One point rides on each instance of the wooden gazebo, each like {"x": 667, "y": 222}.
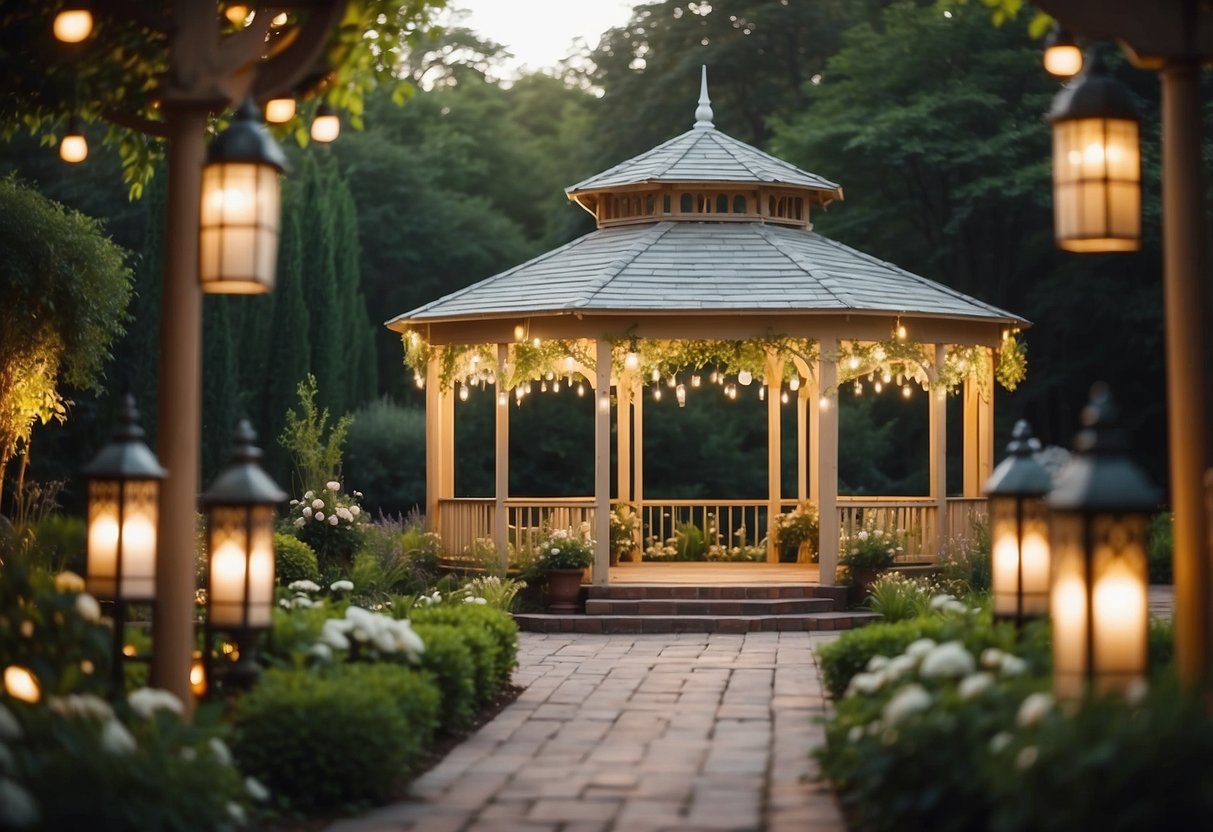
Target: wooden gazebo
{"x": 704, "y": 263}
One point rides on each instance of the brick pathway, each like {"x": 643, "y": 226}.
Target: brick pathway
{"x": 638, "y": 732}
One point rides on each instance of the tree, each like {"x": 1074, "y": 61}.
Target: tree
{"x": 66, "y": 290}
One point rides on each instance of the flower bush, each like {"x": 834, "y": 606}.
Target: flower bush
{"x": 871, "y": 548}
{"x": 561, "y": 549}
{"x": 329, "y": 521}
{"x": 625, "y": 523}
{"x": 898, "y": 597}
{"x": 796, "y": 527}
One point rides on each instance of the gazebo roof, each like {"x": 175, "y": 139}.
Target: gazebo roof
{"x": 704, "y": 267}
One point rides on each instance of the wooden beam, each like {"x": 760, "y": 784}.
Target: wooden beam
{"x": 802, "y": 430}
{"x": 501, "y": 491}
{"x": 638, "y": 457}
{"x": 433, "y": 441}
{"x": 774, "y": 378}
{"x": 939, "y": 450}
{"x": 623, "y": 432}
{"x": 971, "y": 464}
{"x": 602, "y": 463}
{"x": 825, "y": 420}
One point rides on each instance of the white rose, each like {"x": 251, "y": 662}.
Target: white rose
{"x": 319, "y": 517}
{"x": 116, "y": 739}
{"x": 920, "y": 648}
{"x": 354, "y": 510}
{"x": 146, "y": 701}
{"x": 307, "y": 511}
{"x": 974, "y": 685}
{"x": 908, "y": 701}
{"x": 947, "y": 661}
{"x": 1013, "y": 666}
{"x": 332, "y": 519}
{"x": 1033, "y": 709}
{"x": 87, "y": 607}
{"x": 69, "y": 582}
{"x": 317, "y": 503}
{"x": 333, "y": 486}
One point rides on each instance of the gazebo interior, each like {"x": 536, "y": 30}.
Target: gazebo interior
{"x": 704, "y": 271}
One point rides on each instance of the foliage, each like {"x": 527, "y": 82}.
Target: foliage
{"x": 134, "y": 765}
{"x": 55, "y": 541}
{"x": 385, "y": 454}
{"x": 296, "y": 561}
{"x": 496, "y": 658}
{"x": 967, "y": 565}
{"x": 329, "y": 521}
{"x": 797, "y": 526}
{"x": 561, "y": 549}
{"x": 1160, "y": 548}
{"x": 335, "y": 738}
{"x": 870, "y": 548}
{"x": 66, "y": 288}
{"x": 315, "y": 448}
{"x": 897, "y": 597}
{"x": 449, "y": 659}
{"x": 625, "y": 523}
{"x": 495, "y": 591}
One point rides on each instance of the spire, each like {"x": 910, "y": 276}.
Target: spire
{"x": 703, "y": 113}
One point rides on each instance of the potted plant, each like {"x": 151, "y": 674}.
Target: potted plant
{"x": 624, "y": 523}
{"x": 867, "y": 553}
{"x": 563, "y": 559}
{"x": 797, "y": 534}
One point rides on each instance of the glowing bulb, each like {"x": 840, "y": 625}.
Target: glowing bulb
{"x": 419, "y": 381}
{"x": 631, "y": 361}
{"x": 326, "y": 126}
{"x": 695, "y": 381}
{"x": 491, "y": 378}
{"x": 198, "y": 676}
{"x": 519, "y": 332}
{"x": 854, "y": 362}
{"x": 858, "y": 389}
{"x": 905, "y": 392}
{"x": 745, "y": 377}
{"x": 656, "y": 394}
{"x": 762, "y": 393}
{"x": 463, "y": 392}
{"x": 528, "y": 388}
{"x": 556, "y": 386}
{"x": 656, "y": 374}
{"x": 535, "y": 342}
{"x": 236, "y": 13}
{"x": 901, "y": 332}
{"x": 280, "y": 110}
{"x": 794, "y": 383}
{"x": 680, "y": 392}
{"x": 878, "y": 387}
{"x": 518, "y": 394}
{"x": 712, "y": 377}
{"x": 886, "y": 376}
{"x": 21, "y": 683}
{"x": 543, "y": 387}
{"x": 569, "y": 363}
{"x": 783, "y": 397}
{"x": 74, "y": 147}
{"x": 73, "y": 25}
{"x": 878, "y": 353}
{"x": 580, "y": 389}
{"x": 823, "y": 403}
{"x": 671, "y": 382}
{"x": 279, "y": 20}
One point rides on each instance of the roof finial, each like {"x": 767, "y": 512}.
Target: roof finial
{"x": 703, "y": 113}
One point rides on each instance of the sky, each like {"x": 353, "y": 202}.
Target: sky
{"x": 541, "y": 32}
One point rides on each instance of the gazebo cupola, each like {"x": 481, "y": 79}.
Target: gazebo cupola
{"x": 704, "y": 175}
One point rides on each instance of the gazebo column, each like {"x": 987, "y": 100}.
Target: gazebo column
{"x": 623, "y": 432}
{"x": 978, "y": 432}
{"x": 602, "y": 462}
{"x": 638, "y": 458}
{"x": 501, "y": 491}
{"x": 823, "y": 487}
{"x": 938, "y": 429}
{"x": 774, "y": 378}
{"x": 439, "y": 443}
{"x": 802, "y": 429}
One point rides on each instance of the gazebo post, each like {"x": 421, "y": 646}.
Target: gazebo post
{"x": 823, "y": 427}
{"x": 939, "y": 449}
{"x": 638, "y": 456}
{"x": 802, "y": 426}
{"x": 623, "y": 432}
{"x": 774, "y": 379}
{"x": 978, "y": 433}
{"x": 501, "y": 525}
{"x": 433, "y": 442}
{"x": 602, "y": 462}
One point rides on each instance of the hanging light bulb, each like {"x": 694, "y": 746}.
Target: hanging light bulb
{"x": 745, "y": 377}
{"x": 528, "y": 388}
{"x": 519, "y": 332}
{"x": 418, "y": 380}
{"x": 783, "y": 397}
{"x": 711, "y": 378}
{"x": 877, "y": 386}
{"x": 656, "y": 374}
{"x": 580, "y": 388}
{"x": 543, "y": 387}
{"x": 536, "y": 342}
{"x": 762, "y": 393}
{"x": 569, "y": 363}
{"x": 631, "y": 361}
{"x": 900, "y": 379}
{"x": 491, "y": 379}
{"x": 326, "y": 126}
{"x": 905, "y": 391}
{"x": 1062, "y": 58}
{"x": 794, "y": 383}
{"x": 672, "y": 381}
{"x": 280, "y": 109}
{"x": 858, "y": 388}
{"x": 823, "y": 402}
{"x": 854, "y": 362}
{"x": 886, "y": 376}
{"x": 556, "y": 386}
{"x": 463, "y": 392}
{"x": 73, "y": 147}
{"x": 518, "y": 394}
{"x": 656, "y": 394}
{"x": 878, "y": 353}
{"x": 73, "y": 23}
{"x": 901, "y": 331}
{"x": 695, "y": 381}
{"x": 680, "y": 393}
{"x": 872, "y": 376}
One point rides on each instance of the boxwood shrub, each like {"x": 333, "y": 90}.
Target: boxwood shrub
{"x": 450, "y": 661}
{"x": 336, "y": 738}
{"x": 296, "y": 561}
{"x": 497, "y": 624}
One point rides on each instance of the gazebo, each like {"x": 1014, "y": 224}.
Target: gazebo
{"x": 704, "y": 269}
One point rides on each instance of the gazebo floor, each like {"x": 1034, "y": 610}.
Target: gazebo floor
{"x": 715, "y": 574}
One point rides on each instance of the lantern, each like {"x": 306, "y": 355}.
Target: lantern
{"x": 240, "y": 514}
{"x": 326, "y": 126}
{"x": 280, "y": 109}
{"x": 73, "y": 147}
{"x": 1096, "y": 164}
{"x": 1062, "y": 57}
{"x": 1098, "y": 597}
{"x": 1019, "y": 531}
{"x": 241, "y": 207}
{"x": 123, "y": 498}
{"x": 73, "y": 23}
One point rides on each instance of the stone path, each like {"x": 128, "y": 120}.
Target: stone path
{"x": 638, "y": 732}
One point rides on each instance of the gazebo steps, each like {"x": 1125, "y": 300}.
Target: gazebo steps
{"x": 681, "y": 608}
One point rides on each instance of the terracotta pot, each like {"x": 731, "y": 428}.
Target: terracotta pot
{"x": 864, "y": 577}
{"x": 564, "y": 589}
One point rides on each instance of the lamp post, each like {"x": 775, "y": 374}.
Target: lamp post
{"x": 1174, "y": 38}
{"x": 1020, "y": 531}
{"x": 240, "y": 516}
{"x": 241, "y": 207}
{"x": 123, "y": 491}
{"x": 1099, "y": 603}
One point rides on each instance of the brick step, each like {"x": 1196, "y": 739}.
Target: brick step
{"x": 708, "y": 606}
{"x": 547, "y": 623}
{"x": 639, "y": 592}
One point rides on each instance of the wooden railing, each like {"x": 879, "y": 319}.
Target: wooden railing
{"x": 725, "y": 523}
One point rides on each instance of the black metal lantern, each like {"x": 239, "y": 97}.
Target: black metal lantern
{"x": 1098, "y": 597}
{"x": 1096, "y": 164}
{"x": 1019, "y": 531}
{"x": 241, "y": 207}
{"x": 240, "y": 513}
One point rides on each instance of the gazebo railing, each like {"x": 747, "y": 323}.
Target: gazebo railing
{"x": 726, "y": 523}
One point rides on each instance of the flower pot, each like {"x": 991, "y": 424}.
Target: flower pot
{"x": 564, "y": 589}
{"x": 863, "y": 578}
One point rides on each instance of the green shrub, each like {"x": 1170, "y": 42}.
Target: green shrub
{"x": 1159, "y": 548}
{"x": 968, "y": 566}
{"x": 450, "y": 661}
{"x": 897, "y": 597}
{"x": 398, "y": 557}
{"x": 385, "y": 453}
{"x": 338, "y": 738}
{"x": 499, "y": 625}
{"x": 58, "y": 542}
{"x": 691, "y": 545}
{"x": 296, "y": 561}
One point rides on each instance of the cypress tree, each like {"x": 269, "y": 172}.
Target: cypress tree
{"x": 355, "y": 324}
{"x": 320, "y": 286}
{"x": 220, "y": 382}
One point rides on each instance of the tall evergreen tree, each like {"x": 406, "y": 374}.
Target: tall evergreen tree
{"x": 354, "y": 324}
{"x": 220, "y": 382}
{"x": 320, "y": 284}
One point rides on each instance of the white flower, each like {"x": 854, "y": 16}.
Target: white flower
{"x": 357, "y": 493}
{"x": 878, "y": 534}
{"x": 344, "y": 514}
{"x": 321, "y": 651}
{"x": 341, "y": 586}
{"x": 220, "y": 750}
{"x": 474, "y": 600}
{"x": 555, "y": 551}
{"x": 116, "y": 739}
{"x": 256, "y": 790}
{"x": 354, "y": 510}
{"x": 1026, "y": 758}
{"x": 878, "y": 662}
{"x": 975, "y": 685}
{"x": 1033, "y": 709}
{"x": 898, "y": 666}
{"x": 908, "y": 701}
{"x": 236, "y": 812}
{"x": 999, "y": 741}
{"x": 333, "y": 486}
{"x": 866, "y": 683}
{"x": 855, "y": 734}
{"x": 308, "y": 495}
{"x": 294, "y": 502}
{"x": 1136, "y": 692}
{"x": 69, "y": 582}
{"x": 307, "y": 511}
{"x": 333, "y": 634}
{"x": 299, "y": 521}
{"x": 10, "y": 728}
{"x": 318, "y": 517}
{"x": 991, "y": 657}
{"x": 332, "y": 519}
{"x": 947, "y": 661}
{"x": 17, "y": 807}
{"x": 920, "y": 648}
{"x": 81, "y": 706}
{"x": 317, "y": 503}
{"x": 87, "y": 607}
{"x": 302, "y": 602}
{"x": 862, "y": 536}
{"x": 303, "y": 586}
{"x": 1013, "y": 665}
{"x": 146, "y": 701}
{"x": 941, "y": 600}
